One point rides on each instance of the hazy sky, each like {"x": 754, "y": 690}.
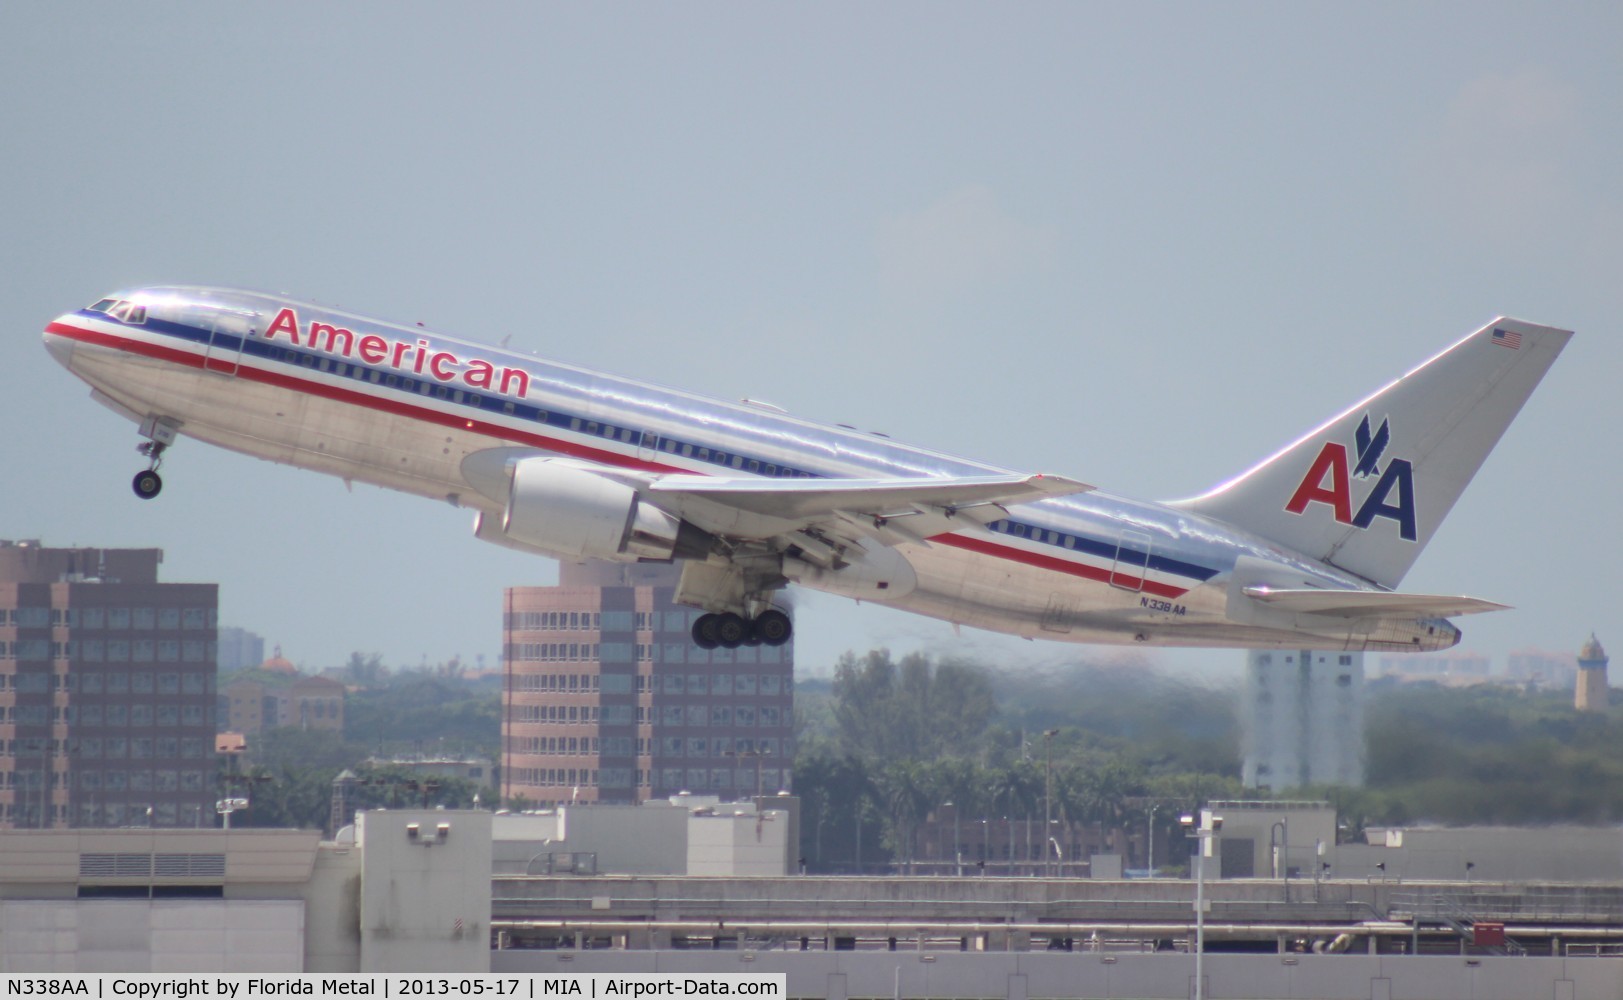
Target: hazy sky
{"x": 1140, "y": 245}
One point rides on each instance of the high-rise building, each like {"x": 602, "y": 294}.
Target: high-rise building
{"x": 107, "y": 688}
{"x": 607, "y": 699}
{"x": 1303, "y": 719}
{"x": 1592, "y": 695}
{"x": 239, "y": 648}
{"x": 1453, "y": 667}
{"x": 1550, "y": 670}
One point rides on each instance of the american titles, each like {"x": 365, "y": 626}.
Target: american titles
{"x": 419, "y": 358}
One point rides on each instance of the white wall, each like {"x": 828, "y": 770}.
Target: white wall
{"x": 738, "y": 843}
{"x": 140, "y": 935}
{"x": 425, "y": 903}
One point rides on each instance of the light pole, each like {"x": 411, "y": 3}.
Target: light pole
{"x": 1048, "y": 792}
{"x": 757, "y": 754}
{"x": 1149, "y": 840}
{"x": 1204, "y": 827}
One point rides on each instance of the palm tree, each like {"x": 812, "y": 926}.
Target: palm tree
{"x": 906, "y": 790}
{"x": 1015, "y": 787}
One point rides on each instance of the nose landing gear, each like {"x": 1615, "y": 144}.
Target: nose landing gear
{"x": 160, "y": 434}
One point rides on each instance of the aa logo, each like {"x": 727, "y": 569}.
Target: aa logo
{"x": 1329, "y": 481}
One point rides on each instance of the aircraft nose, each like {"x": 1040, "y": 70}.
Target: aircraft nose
{"x": 61, "y": 348}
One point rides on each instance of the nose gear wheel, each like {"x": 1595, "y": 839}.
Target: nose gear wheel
{"x": 147, "y": 483}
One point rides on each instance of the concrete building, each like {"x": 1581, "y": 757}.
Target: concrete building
{"x": 426, "y": 891}
{"x": 167, "y": 901}
{"x": 1274, "y": 839}
{"x": 607, "y": 699}
{"x": 480, "y": 772}
{"x": 276, "y": 695}
{"x": 107, "y": 690}
{"x": 1489, "y": 854}
{"x": 1593, "y": 694}
{"x": 1302, "y": 719}
{"x": 683, "y": 835}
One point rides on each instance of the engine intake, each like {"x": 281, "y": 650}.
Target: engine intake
{"x": 569, "y": 512}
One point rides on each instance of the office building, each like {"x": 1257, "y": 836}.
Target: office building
{"x": 107, "y": 690}
{"x": 1302, "y": 719}
{"x": 607, "y": 699}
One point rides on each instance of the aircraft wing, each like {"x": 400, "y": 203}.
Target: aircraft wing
{"x": 889, "y": 510}
{"x": 802, "y": 498}
{"x": 1370, "y": 603}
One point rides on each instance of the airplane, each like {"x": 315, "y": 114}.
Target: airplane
{"x": 1304, "y": 550}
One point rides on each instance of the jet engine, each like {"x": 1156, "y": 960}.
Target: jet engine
{"x": 568, "y": 512}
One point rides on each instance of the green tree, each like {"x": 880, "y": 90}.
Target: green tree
{"x": 912, "y": 710}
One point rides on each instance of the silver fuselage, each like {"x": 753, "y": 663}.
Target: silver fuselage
{"x": 400, "y": 407}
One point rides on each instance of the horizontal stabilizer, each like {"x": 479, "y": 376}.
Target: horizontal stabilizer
{"x": 1370, "y": 603}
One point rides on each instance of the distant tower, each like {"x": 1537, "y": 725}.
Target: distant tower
{"x": 1302, "y": 719}
{"x": 1592, "y": 692}
{"x": 340, "y": 815}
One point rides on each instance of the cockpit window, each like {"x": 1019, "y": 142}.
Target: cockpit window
{"x": 122, "y": 310}
{"x": 128, "y": 312}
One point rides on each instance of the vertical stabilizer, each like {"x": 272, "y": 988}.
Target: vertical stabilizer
{"x": 1366, "y": 490}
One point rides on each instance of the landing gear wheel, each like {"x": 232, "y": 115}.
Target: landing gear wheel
{"x": 147, "y": 484}
{"x": 731, "y": 630}
{"x": 704, "y": 632}
{"x": 772, "y": 627}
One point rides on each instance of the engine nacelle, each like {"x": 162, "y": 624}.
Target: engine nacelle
{"x": 573, "y": 513}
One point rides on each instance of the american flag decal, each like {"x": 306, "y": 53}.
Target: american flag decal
{"x": 1507, "y": 338}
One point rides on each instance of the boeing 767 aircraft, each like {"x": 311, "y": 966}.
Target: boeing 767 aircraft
{"x": 1303, "y": 550}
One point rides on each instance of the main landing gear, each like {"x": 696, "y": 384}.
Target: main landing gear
{"x": 729, "y": 631}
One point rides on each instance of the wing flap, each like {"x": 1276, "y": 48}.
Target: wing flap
{"x": 1370, "y": 603}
